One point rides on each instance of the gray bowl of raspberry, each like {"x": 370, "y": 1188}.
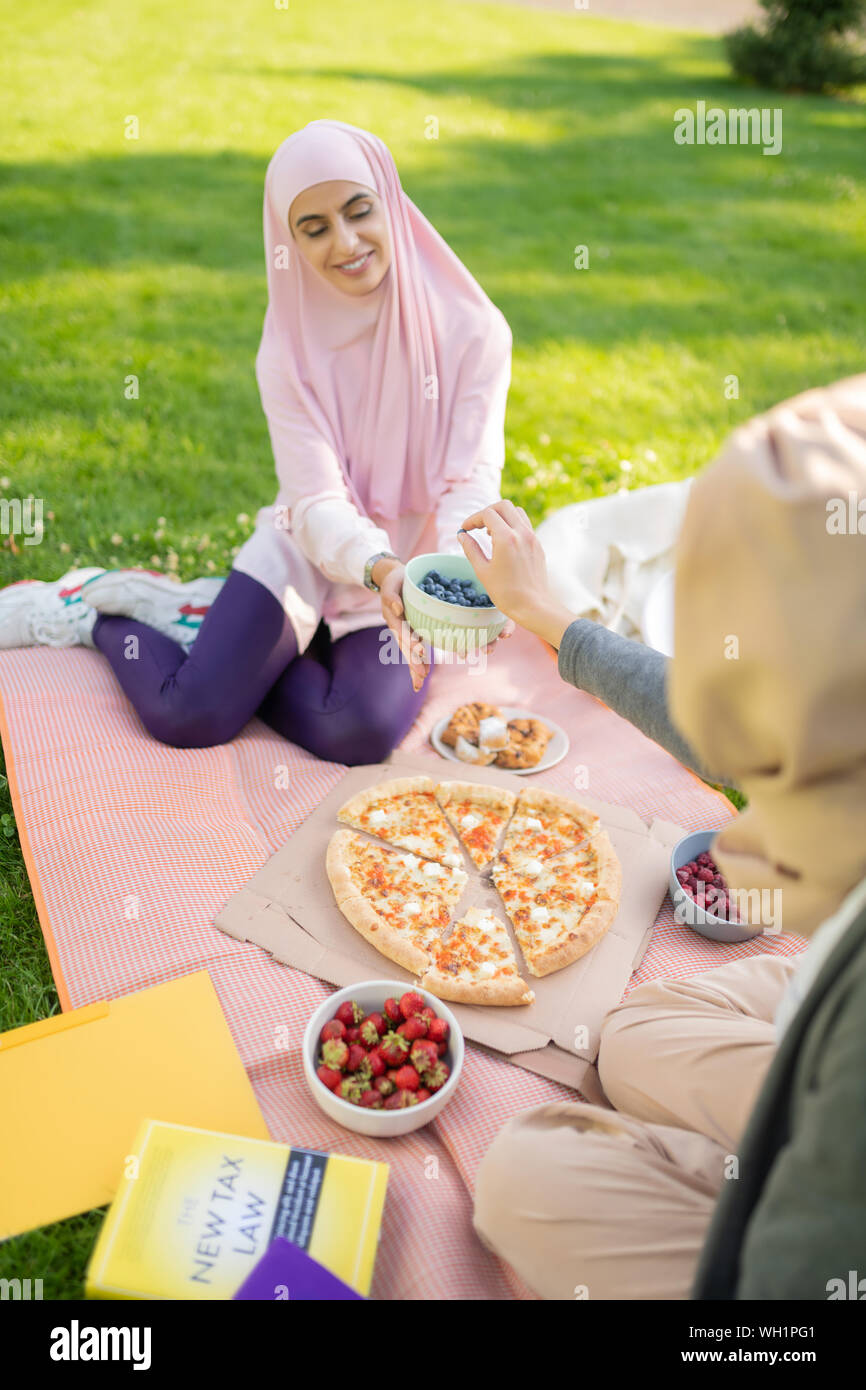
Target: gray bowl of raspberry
{"x": 700, "y": 895}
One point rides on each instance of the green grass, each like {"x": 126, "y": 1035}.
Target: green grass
{"x": 556, "y": 130}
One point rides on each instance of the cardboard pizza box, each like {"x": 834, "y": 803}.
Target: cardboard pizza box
{"x": 288, "y": 908}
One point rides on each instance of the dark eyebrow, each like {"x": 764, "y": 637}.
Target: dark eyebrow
{"x": 320, "y": 216}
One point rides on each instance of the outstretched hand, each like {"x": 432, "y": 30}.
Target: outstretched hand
{"x": 411, "y": 645}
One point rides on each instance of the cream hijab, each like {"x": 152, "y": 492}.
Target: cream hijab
{"x": 769, "y": 677}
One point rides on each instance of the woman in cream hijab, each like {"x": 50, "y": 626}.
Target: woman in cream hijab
{"x": 383, "y": 369}
{"x": 729, "y": 1159}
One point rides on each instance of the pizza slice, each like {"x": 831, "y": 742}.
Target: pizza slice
{"x": 404, "y": 812}
{"x": 476, "y": 964}
{"x": 478, "y": 812}
{"x": 563, "y": 905}
{"x": 396, "y": 901}
{"x": 545, "y": 823}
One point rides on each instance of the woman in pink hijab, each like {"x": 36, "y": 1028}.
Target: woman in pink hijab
{"x": 383, "y": 370}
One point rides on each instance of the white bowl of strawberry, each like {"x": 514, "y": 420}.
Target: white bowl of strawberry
{"x": 382, "y": 1059}
{"x": 701, "y": 897}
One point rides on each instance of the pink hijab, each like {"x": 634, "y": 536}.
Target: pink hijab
{"x": 379, "y": 375}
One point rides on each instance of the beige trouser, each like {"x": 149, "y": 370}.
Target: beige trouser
{"x": 589, "y": 1202}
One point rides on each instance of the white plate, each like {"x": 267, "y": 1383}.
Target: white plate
{"x": 555, "y": 751}
{"x": 657, "y": 621}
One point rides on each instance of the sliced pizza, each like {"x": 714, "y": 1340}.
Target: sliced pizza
{"x": 396, "y": 901}
{"x": 476, "y": 964}
{"x": 545, "y": 823}
{"x": 562, "y": 906}
{"x": 478, "y": 812}
{"x": 404, "y": 812}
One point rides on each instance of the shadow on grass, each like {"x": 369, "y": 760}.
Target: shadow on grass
{"x": 687, "y": 244}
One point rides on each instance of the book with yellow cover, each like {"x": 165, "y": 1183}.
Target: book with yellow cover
{"x": 196, "y": 1210}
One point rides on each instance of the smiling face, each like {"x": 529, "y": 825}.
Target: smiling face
{"x": 340, "y": 228}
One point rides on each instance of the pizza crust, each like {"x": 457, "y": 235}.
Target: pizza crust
{"x": 380, "y": 791}
{"x": 386, "y": 939}
{"x": 462, "y": 989}
{"x": 591, "y": 928}
{"x": 532, "y": 800}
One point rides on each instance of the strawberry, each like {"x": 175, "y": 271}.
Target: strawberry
{"x": 371, "y": 1100}
{"x": 428, "y": 1014}
{"x": 357, "y": 1055}
{"x": 351, "y": 1088}
{"x": 394, "y": 1048}
{"x": 329, "y": 1077}
{"x": 400, "y": 1100}
{"x": 392, "y": 1011}
{"x": 335, "y": 1054}
{"x": 411, "y": 1003}
{"x": 442, "y": 1048}
{"x": 353, "y": 1034}
{"x": 424, "y": 1055}
{"x": 413, "y": 1028}
{"x": 436, "y": 1077}
{"x": 422, "y": 1093}
{"x": 370, "y": 1030}
{"x": 376, "y": 1061}
{"x": 333, "y": 1029}
{"x": 392, "y": 1074}
{"x": 380, "y": 1021}
{"x": 407, "y": 1079}
{"x": 438, "y": 1030}
{"x": 350, "y": 1013}
{"x": 384, "y": 1085}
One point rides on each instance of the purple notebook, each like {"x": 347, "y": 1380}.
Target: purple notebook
{"x": 285, "y": 1271}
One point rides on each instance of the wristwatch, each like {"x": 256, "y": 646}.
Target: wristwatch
{"x": 368, "y": 568}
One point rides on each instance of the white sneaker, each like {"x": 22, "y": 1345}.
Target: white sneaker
{"x": 38, "y": 614}
{"x": 176, "y": 610}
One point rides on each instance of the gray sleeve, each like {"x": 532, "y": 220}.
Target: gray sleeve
{"x": 630, "y": 679}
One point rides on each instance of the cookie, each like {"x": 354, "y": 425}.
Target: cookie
{"x": 527, "y": 740}
{"x": 465, "y": 722}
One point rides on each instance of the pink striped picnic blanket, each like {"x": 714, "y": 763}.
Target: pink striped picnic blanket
{"x": 132, "y": 848}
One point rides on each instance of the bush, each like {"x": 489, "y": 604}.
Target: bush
{"x": 804, "y": 45}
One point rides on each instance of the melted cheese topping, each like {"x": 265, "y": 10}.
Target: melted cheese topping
{"x": 377, "y": 817}
{"x": 533, "y": 823}
{"x": 470, "y": 820}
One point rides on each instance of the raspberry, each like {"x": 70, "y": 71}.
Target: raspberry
{"x": 329, "y": 1077}
{"x": 357, "y": 1055}
{"x": 407, "y": 1079}
{"x": 384, "y": 1085}
{"x": 436, "y": 1077}
{"x": 371, "y": 1100}
{"x": 333, "y": 1029}
{"x": 438, "y": 1030}
{"x": 424, "y": 1054}
{"x": 349, "y": 1013}
{"x": 335, "y": 1054}
{"x": 400, "y": 1100}
{"x": 413, "y": 1028}
{"x": 411, "y": 1003}
{"x": 394, "y": 1049}
{"x": 392, "y": 1011}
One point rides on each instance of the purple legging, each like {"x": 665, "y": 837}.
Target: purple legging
{"x": 338, "y": 699}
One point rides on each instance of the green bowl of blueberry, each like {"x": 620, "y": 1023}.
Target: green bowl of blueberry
{"x": 445, "y": 604}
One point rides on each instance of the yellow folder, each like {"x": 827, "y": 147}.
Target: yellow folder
{"x": 75, "y": 1088}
